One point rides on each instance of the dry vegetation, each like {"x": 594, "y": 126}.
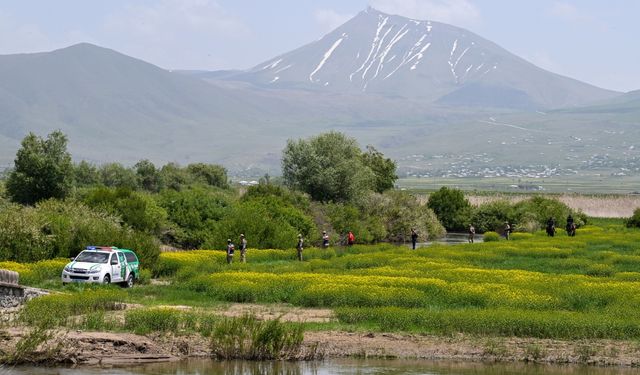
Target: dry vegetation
{"x": 615, "y": 206}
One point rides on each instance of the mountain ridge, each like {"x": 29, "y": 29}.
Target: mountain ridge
{"x": 398, "y": 56}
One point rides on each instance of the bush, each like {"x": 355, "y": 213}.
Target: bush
{"x": 537, "y": 210}
{"x": 400, "y": 211}
{"x": 634, "y": 220}
{"x": 451, "y": 207}
{"x": 138, "y": 210}
{"x": 346, "y": 217}
{"x": 62, "y": 229}
{"x": 278, "y": 226}
{"x": 194, "y": 212}
{"x": 491, "y": 236}
{"x": 491, "y": 216}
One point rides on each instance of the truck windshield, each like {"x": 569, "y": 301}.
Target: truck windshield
{"x": 92, "y": 257}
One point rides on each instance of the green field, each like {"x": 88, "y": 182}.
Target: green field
{"x": 534, "y": 286}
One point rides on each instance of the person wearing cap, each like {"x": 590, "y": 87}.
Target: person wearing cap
{"x": 507, "y": 230}
{"x": 325, "y": 239}
{"x": 230, "y": 250}
{"x": 243, "y": 248}
{"x": 299, "y": 247}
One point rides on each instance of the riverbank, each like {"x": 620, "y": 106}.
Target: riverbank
{"x": 533, "y": 298}
{"x": 80, "y": 348}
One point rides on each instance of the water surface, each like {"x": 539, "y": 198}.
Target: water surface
{"x": 338, "y": 367}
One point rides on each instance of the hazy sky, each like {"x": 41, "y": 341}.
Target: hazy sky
{"x": 595, "y": 41}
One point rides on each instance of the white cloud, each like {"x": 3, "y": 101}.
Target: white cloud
{"x": 176, "y": 33}
{"x": 568, "y": 12}
{"x": 455, "y": 12}
{"x": 329, "y": 19}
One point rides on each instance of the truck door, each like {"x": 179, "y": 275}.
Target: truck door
{"x": 116, "y": 269}
{"x": 124, "y": 268}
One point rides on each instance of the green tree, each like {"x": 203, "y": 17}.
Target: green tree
{"x": 86, "y": 174}
{"x": 173, "y": 176}
{"x": 43, "y": 169}
{"x": 116, "y": 175}
{"x": 383, "y": 168}
{"x": 451, "y": 207}
{"x": 208, "y": 174}
{"x": 329, "y": 167}
{"x": 148, "y": 176}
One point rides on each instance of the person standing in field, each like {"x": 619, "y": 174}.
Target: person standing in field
{"x": 325, "y": 239}
{"x": 299, "y": 246}
{"x": 414, "y": 238}
{"x": 351, "y": 238}
{"x": 243, "y": 248}
{"x": 571, "y": 226}
{"x": 472, "y": 233}
{"x": 230, "y": 250}
{"x": 507, "y": 230}
{"x": 551, "y": 227}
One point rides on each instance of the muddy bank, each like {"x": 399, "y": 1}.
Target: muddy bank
{"x": 108, "y": 348}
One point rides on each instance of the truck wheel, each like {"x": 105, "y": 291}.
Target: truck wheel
{"x": 129, "y": 282}
{"x": 107, "y": 279}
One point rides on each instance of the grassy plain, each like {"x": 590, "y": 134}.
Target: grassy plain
{"x": 585, "y": 287}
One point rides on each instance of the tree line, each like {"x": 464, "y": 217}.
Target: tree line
{"x": 53, "y": 207}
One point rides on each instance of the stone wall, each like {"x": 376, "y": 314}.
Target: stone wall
{"x": 9, "y": 284}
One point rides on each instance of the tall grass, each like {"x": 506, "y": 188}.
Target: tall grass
{"x": 249, "y": 338}
{"x": 56, "y": 310}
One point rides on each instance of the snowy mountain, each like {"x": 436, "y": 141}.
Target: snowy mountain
{"x": 395, "y": 56}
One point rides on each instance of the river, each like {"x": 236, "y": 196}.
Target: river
{"x": 338, "y": 367}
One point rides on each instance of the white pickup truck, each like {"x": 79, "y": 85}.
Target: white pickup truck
{"x": 102, "y": 264}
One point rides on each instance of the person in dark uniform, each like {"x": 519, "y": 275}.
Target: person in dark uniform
{"x": 414, "y": 238}
{"x": 551, "y": 227}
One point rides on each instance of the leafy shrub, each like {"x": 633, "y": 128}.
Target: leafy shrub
{"x": 634, "y": 220}
{"x": 194, "y": 212}
{"x": 145, "y": 276}
{"x": 138, "y": 210}
{"x": 535, "y": 212}
{"x": 62, "y": 229}
{"x": 346, "y": 217}
{"x": 491, "y": 216}
{"x": 451, "y": 207}
{"x": 491, "y": 237}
